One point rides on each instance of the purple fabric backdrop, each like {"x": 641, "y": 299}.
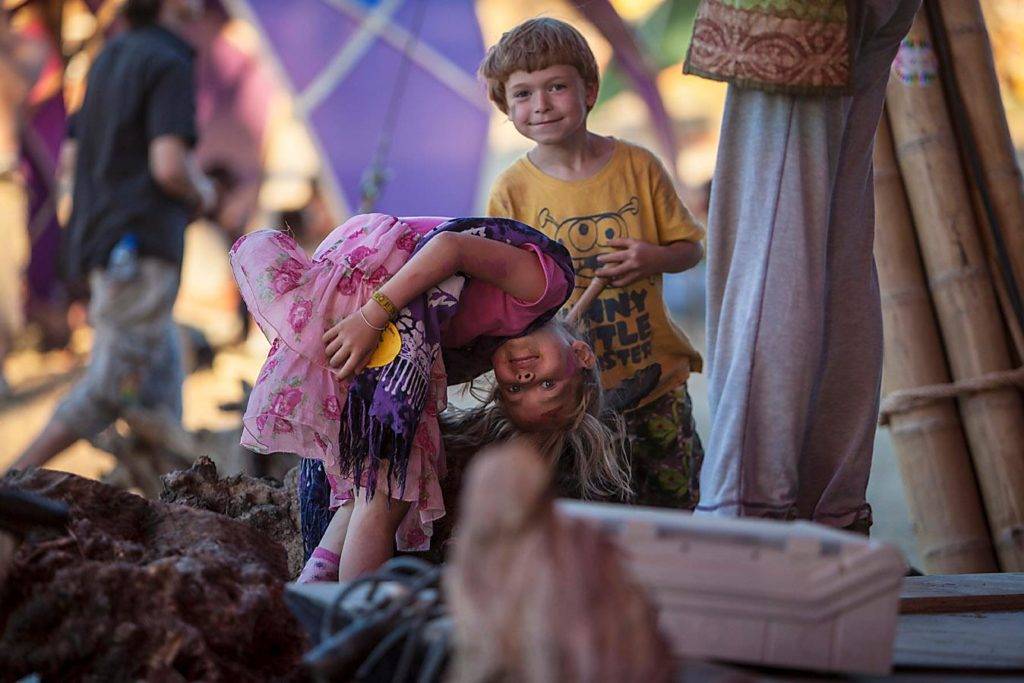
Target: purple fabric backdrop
{"x": 48, "y": 126}
{"x": 439, "y": 136}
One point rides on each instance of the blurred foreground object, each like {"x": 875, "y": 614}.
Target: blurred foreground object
{"x": 389, "y": 625}
{"x": 539, "y": 597}
{"x": 787, "y": 594}
{"x": 533, "y": 597}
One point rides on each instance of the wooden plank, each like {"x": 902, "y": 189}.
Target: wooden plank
{"x": 962, "y": 593}
{"x": 973, "y": 640}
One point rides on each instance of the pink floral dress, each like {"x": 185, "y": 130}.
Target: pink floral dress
{"x": 296, "y": 403}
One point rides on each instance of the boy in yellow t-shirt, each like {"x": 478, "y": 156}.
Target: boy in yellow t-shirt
{"x": 613, "y": 206}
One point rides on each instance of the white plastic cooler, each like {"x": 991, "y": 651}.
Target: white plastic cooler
{"x": 787, "y": 594}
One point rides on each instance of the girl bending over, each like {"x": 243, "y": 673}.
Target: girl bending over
{"x": 367, "y": 335}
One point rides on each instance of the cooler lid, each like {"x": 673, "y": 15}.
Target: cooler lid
{"x": 804, "y": 569}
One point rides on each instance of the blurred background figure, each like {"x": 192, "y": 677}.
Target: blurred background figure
{"x": 21, "y": 60}
{"x": 135, "y": 185}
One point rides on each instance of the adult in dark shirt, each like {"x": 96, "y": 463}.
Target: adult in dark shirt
{"x": 135, "y": 186}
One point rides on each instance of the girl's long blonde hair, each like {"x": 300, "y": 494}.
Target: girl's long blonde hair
{"x": 591, "y": 449}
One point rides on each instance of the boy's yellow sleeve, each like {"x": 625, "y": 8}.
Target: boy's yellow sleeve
{"x": 673, "y": 220}
{"x": 498, "y": 205}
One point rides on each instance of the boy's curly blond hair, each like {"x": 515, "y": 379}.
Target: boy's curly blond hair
{"x": 534, "y": 45}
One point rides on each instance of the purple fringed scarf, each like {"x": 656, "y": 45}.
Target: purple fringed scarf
{"x": 385, "y": 404}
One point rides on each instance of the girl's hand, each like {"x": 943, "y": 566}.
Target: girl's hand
{"x": 351, "y": 341}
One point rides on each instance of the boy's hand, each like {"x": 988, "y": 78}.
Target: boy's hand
{"x": 637, "y": 259}
{"x": 351, "y": 341}
{"x": 634, "y": 260}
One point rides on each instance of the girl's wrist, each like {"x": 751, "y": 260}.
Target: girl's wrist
{"x": 382, "y": 299}
{"x": 374, "y": 314}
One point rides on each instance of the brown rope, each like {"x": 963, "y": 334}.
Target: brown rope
{"x": 909, "y": 399}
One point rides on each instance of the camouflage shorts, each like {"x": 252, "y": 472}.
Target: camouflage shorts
{"x": 666, "y": 452}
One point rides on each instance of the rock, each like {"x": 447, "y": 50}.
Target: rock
{"x": 264, "y": 504}
{"x": 267, "y": 505}
{"x": 138, "y": 589}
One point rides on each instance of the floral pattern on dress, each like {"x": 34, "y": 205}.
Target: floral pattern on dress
{"x": 408, "y": 241}
{"x": 285, "y": 275}
{"x": 348, "y": 284}
{"x": 286, "y": 401}
{"x": 300, "y": 313}
{"x": 331, "y": 408}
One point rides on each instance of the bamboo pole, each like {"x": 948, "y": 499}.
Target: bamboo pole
{"x": 934, "y": 462}
{"x": 961, "y": 288}
{"x": 975, "y": 75}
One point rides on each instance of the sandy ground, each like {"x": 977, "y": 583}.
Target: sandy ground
{"x": 40, "y": 380}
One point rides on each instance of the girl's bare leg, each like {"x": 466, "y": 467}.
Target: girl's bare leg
{"x": 370, "y": 540}
{"x": 334, "y": 535}
{"x": 323, "y": 562}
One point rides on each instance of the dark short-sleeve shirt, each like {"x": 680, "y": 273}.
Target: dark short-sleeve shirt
{"x": 140, "y": 87}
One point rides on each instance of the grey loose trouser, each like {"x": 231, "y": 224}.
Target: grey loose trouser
{"x": 136, "y": 352}
{"x": 794, "y": 319}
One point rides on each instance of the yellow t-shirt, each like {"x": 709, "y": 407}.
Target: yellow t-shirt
{"x": 631, "y": 196}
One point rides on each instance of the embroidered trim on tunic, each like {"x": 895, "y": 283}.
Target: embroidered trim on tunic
{"x": 788, "y": 46}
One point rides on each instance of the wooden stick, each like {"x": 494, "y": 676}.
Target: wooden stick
{"x": 592, "y": 291}
{"x": 961, "y": 286}
{"x": 935, "y": 465}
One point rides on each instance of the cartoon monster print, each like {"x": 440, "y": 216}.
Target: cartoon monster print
{"x": 587, "y": 237}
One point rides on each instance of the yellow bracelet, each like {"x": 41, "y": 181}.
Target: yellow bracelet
{"x": 385, "y": 303}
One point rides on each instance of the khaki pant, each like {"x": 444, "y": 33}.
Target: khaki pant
{"x": 136, "y": 353}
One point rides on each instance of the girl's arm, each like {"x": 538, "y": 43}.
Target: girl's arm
{"x": 515, "y": 271}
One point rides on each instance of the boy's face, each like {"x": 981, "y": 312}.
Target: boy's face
{"x": 551, "y": 105}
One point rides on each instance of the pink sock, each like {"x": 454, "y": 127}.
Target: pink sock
{"x": 322, "y": 567}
